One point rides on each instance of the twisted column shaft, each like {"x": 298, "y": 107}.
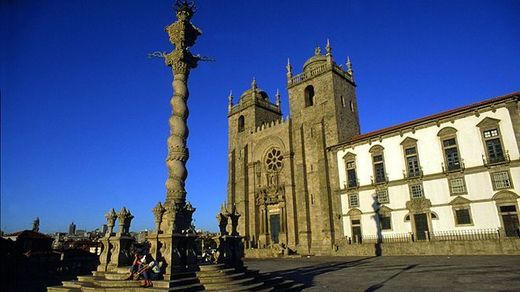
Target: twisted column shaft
{"x": 177, "y": 151}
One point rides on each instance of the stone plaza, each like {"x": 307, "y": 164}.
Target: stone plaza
{"x": 404, "y": 273}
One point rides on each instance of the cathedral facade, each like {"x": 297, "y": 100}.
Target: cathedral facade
{"x": 313, "y": 183}
{"x": 279, "y": 169}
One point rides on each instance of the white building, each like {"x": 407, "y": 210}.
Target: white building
{"x": 457, "y": 171}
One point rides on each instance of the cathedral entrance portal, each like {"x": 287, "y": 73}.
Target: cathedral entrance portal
{"x": 274, "y": 223}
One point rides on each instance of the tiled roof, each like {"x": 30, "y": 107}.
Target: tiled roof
{"x": 28, "y": 234}
{"x": 430, "y": 118}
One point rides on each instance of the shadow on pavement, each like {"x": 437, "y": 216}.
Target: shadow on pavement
{"x": 382, "y": 283}
{"x": 305, "y": 275}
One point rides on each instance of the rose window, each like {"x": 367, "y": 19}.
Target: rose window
{"x": 273, "y": 160}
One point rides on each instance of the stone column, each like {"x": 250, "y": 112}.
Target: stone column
{"x": 177, "y": 239}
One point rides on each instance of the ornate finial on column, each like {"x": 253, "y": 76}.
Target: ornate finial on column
{"x": 222, "y": 219}
{"x": 125, "y": 217}
{"x": 230, "y": 101}
{"x": 277, "y": 97}
{"x": 317, "y": 50}
{"x": 234, "y": 216}
{"x": 158, "y": 212}
{"x": 188, "y": 213}
{"x": 111, "y": 217}
{"x": 349, "y": 67}
{"x": 289, "y": 69}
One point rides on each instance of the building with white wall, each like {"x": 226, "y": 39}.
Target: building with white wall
{"x": 449, "y": 173}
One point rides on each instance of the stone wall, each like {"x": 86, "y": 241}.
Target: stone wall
{"x": 504, "y": 246}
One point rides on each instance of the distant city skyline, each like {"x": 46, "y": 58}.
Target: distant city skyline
{"x": 84, "y": 112}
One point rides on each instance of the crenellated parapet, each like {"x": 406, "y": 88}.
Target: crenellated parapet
{"x": 273, "y": 124}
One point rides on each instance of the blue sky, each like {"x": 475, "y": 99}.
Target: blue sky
{"x": 84, "y": 112}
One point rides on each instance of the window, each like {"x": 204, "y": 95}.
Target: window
{"x": 501, "y": 180}
{"x": 351, "y": 175}
{"x": 350, "y": 166}
{"x": 378, "y": 163}
{"x": 494, "y": 150}
{"x": 379, "y": 168}
{"x": 491, "y": 133}
{"x": 382, "y": 197}
{"x": 411, "y": 158}
{"x": 386, "y": 222}
{"x": 457, "y": 186}
{"x": 491, "y": 138}
{"x": 416, "y": 191}
{"x": 412, "y": 162}
{"x": 351, "y": 106}
{"x": 309, "y": 96}
{"x": 241, "y": 124}
{"x": 451, "y": 154}
{"x": 353, "y": 200}
{"x": 462, "y": 216}
{"x": 342, "y": 101}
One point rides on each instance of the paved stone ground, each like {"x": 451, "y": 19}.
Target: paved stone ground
{"x": 419, "y": 273}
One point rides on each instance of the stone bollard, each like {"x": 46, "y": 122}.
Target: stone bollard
{"x": 122, "y": 242}
{"x": 106, "y": 253}
{"x": 153, "y": 237}
{"x": 230, "y": 247}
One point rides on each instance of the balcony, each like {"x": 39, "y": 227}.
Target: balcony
{"x": 380, "y": 179}
{"x": 453, "y": 167}
{"x": 416, "y": 174}
{"x": 496, "y": 160}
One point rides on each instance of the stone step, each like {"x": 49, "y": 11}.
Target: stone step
{"x": 235, "y": 284}
{"x": 232, "y": 288}
{"x": 217, "y": 273}
{"x": 189, "y": 287}
{"x": 116, "y": 276}
{"x": 209, "y": 267}
{"x": 222, "y": 278}
{"x": 88, "y": 278}
{"x": 63, "y": 289}
{"x": 115, "y": 283}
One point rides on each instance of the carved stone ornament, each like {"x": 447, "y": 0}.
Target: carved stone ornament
{"x": 125, "y": 218}
{"x": 270, "y": 195}
{"x": 234, "y": 216}
{"x": 111, "y": 217}
{"x": 418, "y": 205}
{"x": 158, "y": 212}
{"x": 222, "y": 220}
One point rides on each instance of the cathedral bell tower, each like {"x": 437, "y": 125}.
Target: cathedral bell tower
{"x": 324, "y": 113}
{"x": 253, "y": 110}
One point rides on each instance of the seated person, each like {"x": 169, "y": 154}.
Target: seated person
{"x": 136, "y": 265}
{"x": 150, "y": 269}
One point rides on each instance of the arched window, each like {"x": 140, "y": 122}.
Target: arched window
{"x": 309, "y": 96}
{"x": 241, "y": 124}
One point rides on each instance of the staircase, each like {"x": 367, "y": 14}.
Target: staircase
{"x": 214, "y": 277}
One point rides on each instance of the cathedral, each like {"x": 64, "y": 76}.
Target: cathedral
{"x": 314, "y": 184}
{"x": 279, "y": 169}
